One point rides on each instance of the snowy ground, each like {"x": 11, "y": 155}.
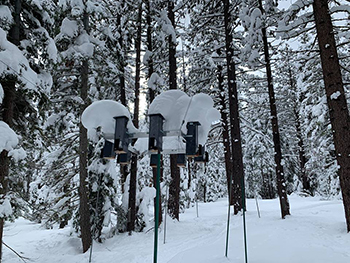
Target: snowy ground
{"x": 315, "y": 232}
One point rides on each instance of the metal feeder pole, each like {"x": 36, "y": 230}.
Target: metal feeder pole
{"x": 156, "y": 221}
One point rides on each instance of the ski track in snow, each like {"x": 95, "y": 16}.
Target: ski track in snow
{"x": 315, "y": 232}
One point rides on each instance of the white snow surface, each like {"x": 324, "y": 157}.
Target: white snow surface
{"x": 1, "y": 94}
{"x": 101, "y": 114}
{"x": 5, "y": 14}
{"x": 178, "y": 108}
{"x": 69, "y": 28}
{"x": 315, "y": 232}
{"x": 8, "y": 138}
{"x": 335, "y": 95}
{"x": 5, "y": 207}
{"x": 12, "y": 61}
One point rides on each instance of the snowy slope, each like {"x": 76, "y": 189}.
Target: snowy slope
{"x": 315, "y": 232}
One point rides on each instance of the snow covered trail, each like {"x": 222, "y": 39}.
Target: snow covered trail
{"x": 315, "y": 232}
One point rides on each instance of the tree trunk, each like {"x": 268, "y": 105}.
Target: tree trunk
{"x": 149, "y": 48}
{"x": 281, "y": 184}
{"x": 85, "y": 226}
{"x": 122, "y": 98}
{"x": 151, "y": 98}
{"x": 235, "y": 138}
{"x": 225, "y": 135}
{"x": 302, "y": 158}
{"x": 174, "y": 188}
{"x": 7, "y": 116}
{"x": 9, "y": 86}
{"x": 338, "y": 110}
{"x": 133, "y": 169}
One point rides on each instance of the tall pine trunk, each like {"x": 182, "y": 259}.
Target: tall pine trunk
{"x": 235, "y": 134}
{"x": 7, "y": 116}
{"x": 9, "y": 86}
{"x": 302, "y": 157}
{"x": 133, "y": 169}
{"x": 122, "y": 98}
{"x": 174, "y": 188}
{"x": 151, "y": 93}
{"x": 281, "y": 184}
{"x": 336, "y": 100}
{"x": 225, "y": 134}
{"x": 84, "y": 212}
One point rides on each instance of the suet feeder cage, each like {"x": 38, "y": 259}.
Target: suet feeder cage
{"x": 121, "y": 138}
{"x": 192, "y": 139}
{"x": 108, "y": 151}
{"x": 155, "y": 140}
{"x": 181, "y": 160}
{"x": 124, "y": 158}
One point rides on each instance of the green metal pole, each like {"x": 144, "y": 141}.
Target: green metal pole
{"x": 156, "y": 221}
{"x": 228, "y": 215}
{"x": 244, "y": 224}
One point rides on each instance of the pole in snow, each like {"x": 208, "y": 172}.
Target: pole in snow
{"x": 244, "y": 223}
{"x": 165, "y": 211}
{"x": 228, "y": 215}
{"x": 156, "y": 221}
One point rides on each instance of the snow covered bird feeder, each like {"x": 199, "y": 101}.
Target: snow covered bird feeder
{"x": 181, "y": 160}
{"x": 108, "y": 151}
{"x": 124, "y": 158}
{"x": 121, "y": 138}
{"x": 155, "y": 141}
{"x": 192, "y": 139}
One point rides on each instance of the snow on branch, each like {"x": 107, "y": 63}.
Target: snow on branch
{"x": 13, "y": 62}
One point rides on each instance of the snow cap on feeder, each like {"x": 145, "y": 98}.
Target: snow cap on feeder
{"x": 101, "y": 114}
{"x": 155, "y": 141}
{"x": 178, "y": 109}
{"x": 108, "y": 151}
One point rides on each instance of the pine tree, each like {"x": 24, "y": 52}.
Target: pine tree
{"x": 336, "y": 100}
{"x": 24, "y": 82}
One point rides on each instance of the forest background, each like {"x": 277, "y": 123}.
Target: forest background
{"x": 284, "y": 113}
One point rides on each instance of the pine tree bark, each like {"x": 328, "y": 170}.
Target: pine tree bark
{"x": 84, "y": 212}
{"x": 133, "y": 169}
{"x": 225, "y": 135}
{"x": 174, "y": 188}
{"x": 151, "y": 97}
{"x": 281, "y": 184}
{"x": 9, "y": 87}
{"x": 336, "y": 100}
{"x": 7, "y": 116}
{"x": 122, "y": 96}
{"x": 149, "y": 48}
{"x": 302, "y": 157}
{"x": 235, "y": 134}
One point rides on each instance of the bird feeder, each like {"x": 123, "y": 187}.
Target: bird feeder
{"x": 155, "y": 141}
{"x": 108, "y": 151}
{"x": 181, "y": 160}
{"x": 202, "y": 158}
{"x": 192, "y": 139}
{"x": 121, "y": 138}
{"x": 154, "y": 160}
{"x": 124, "y": 158}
